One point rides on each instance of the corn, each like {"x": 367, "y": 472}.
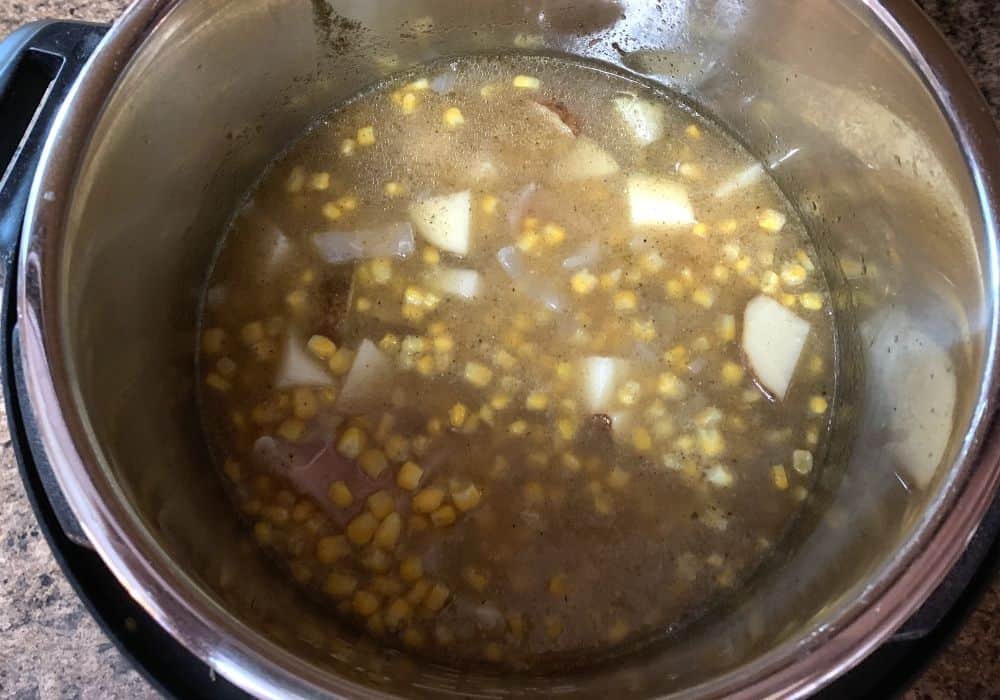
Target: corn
{"x": 292, "y": 429}
{"x": 725, "y": 327}
{"x": 387, "y": 534}
{"x": 213, "y": 341}
{"x": 411, "y": 569}
{"x": 413, "y": 637}
{"x": 466, "y": 497}
{"x": 625, "y": 300}
{"x": 340, "y": 363}
{"x": 710, "y": 442}
{"x": 526, "y": 82}
{"x": 339, "y": 585}
{"x": 361, "y": 529}
{"x": 583, "y": 282}
{"x": 732, "y": 373}
{"x": 537, "y": 401}
{"x": 330, "y": 549}
{"x": 386, "y": 585}
{"x": 217, "y": 382}
{"x": 619, "y": 630}
{"x": 674, "y": 288}
{"x": 352, "y": 442}
{"x": 331, "y": 211}
{"x": 347, "y": 147}
{"x": 793, "y": 275}
{"x": 553, "y": 626}
{"x": 457, "y": 415}
{"x": 252, "y": 333}
{"x": 381, "y": 504}
{"x": 409, "y": 476}
{"x": 340, "y": 495}
{"x": 453, "y": 118}
{"x": 476, "y": 579}
{"x": 477, "y": 374}
{"x": 493, "y": 652}
{"x": 365, "y": 603}
{"x": 408, "y": 103}
{"x": 818, "y": 405}
{"x": 641, "y": 439}
{"x": 557, "y": 585}
{"x": 428, "y": 500}
{"x": 812, "y": 436}
{"x": 789, "y": 300}
{"x": 528, "y": 242}
{"x": 321, "y": 346}
{"x": 692, "y": 131}
{"x": 398, "y": 612}
{"x": 437, "y": 597}
{"x": 670, "y": 387}
{"x": 319, "y": 181}
{"x": 443, "y": 516}
{"x": 816, "y": 365}
{"x": 366, "y": 136}
{"x": 811, "y": 301}
{"x": 779, "y": 477}
{"x": 676, "y": 357}
{"x": 296, "y": 180}
{"x": 518, "y": 428}
{"x": 553, "y": 234}
{"x": 618, "y": 478}
{"x": 771, "y": 220}
{"x": 419, "y": 591}
{"x": 802, "y": 461}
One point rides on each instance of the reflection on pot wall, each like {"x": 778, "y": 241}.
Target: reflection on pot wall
{"x": 841, "y": 122}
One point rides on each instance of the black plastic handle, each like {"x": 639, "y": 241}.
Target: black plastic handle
{"x": 38, "y": 65}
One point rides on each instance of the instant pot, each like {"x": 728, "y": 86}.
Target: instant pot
{"x": 126, "y": 148}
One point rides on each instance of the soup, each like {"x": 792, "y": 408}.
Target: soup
{"x": 516, "y": 361}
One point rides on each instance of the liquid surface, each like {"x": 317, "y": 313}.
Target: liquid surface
{"x": 514, "y": 360}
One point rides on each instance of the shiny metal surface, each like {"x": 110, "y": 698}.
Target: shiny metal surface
{"x": 869, "y": 124}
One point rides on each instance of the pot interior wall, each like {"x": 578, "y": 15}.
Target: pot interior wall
{"x": 854, "y": 138}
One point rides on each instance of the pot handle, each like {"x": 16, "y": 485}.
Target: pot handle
{"x": 39, "y": 64}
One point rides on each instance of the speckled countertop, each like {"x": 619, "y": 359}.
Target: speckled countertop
{"x": 49, "y": 646}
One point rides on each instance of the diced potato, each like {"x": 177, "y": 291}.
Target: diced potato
{"x": 444, "y": 221}
{"x": 454, "y": 282}
{"x": 600, "y": 376}
{"x": 298, "y": 368}
{"x": 643, "y": 119}
{"x": 369, "y": 381}
{"x": 773, "y": 338}
{"x": 657, "y": 202}
{"x": 585, "y": 160}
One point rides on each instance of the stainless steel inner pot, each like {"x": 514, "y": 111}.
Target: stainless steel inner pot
{"x": 866, "y": 120}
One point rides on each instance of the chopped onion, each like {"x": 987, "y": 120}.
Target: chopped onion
{"x": 600, "y": 377}
{"x": 584, "y": 161}
{"x": 584, "y": 256}
{"x": 393, "y": 240}
{"x": 773, "y": 338}
{"x": 519, "y": 207}
{"x": 297, "y": 368}
{"x": 444, "y": 221}
{"x": 551, "y": 119}
{"x": 658, "y": 202}
{"x": 368, "y": 384}
{"x": 643, "y": 119}
{"x": 531, "y": 284}
{"x": 455, "y": 282}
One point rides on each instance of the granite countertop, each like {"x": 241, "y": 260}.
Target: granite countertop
{"x": 51, "y": 648}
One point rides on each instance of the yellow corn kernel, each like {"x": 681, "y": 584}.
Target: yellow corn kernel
{"x": 366, "y": 136}
{"x": 263, "y": 531}
{"x": 493, "y": 652}
{"x": 732, "y": 373}
{"x": 571, "y": 462}
{"x": 381, "y": 504}
{"x": 413, "y": 637}
{"x": 499, "y": 401}
{"x": 488, "y": 204}
{"x": 703, "y": 297}
{"x": 674, "y": 288}
{"x": 553, "y": 234}
{"x": 628, "y": 394}
{"x": 292, "y": 429}
{"x": 528, "y": 242}
{"x": 339, "y": 585}
{"x": 811, "y": 301}
{"x": 428, "y": 500}
{"x": 361, "y": 530}
{"x": 430, "y": 256}
{"x": 411, "y": 569}
{"x": 725, "y": 327}
{"x": 252, "y": 333}
{"x": 437, "y": 597}
{"x": 330, "y": 549}
{"x": 418, "y": 523}
{"x": 793, "y": 275}
{"x": 331, "y": 211}
{"x": 692, "y": 131}
{"x": 233, "y": 470}
{"x": 567, "y": 428}
{"x": 789, "y": 300}
{"x": 583, "y": 282}
{"x": 676, "y": 357}
{"x": 618, "y": 478}
{"x": 341, "y": 361}
{"x": 386, "y": 585}
{"x": 526, "y": 82}
{"x": 213, "y": 341}
{"x": 610, "y": 280}
{"x": 558, "y": 585}
{"x": 453, "y": 117}
{"x": 802, "y": 461}
{"x": 720, "y": 273}
{"x": 321, "y": 346}
{"x": 641, "y": 439}
{"x": 297, "y": 300}
{"x": 643, "y": 330}
{"x": 670, "y": 386}
{"x": 476, "y": 578}
{"x": 477, "y": 374}
{"x": 217, "y": 382}
{"x": 409, "y": 476}
{"x": 518, "y": 427}
{"x": 625, "y": 300}
{"x": 770, "y": 283}
{"x": 700, "y": 230}
{"x": 812, "y": 436}
{"x": 387, "y": 534}
{"x": 443, "y": 516}
{"x": 536, "y": 401}
{"x": 408, "y": 103}
{"x": 710, "y": 442}
{"x": 296, "y": 180}
{"x": 553, "y": 626}
{"x": 340, "y": 495}
{"x": 779, "y": 477}
{"x": 618, "y": 631}
{"x": 466, "y": 497}
{"x": 365, "y": 603}
{"x": 319, "y": 181}
{"x": 457, "y": 415}
{"x": 771, "y": 220}
{"x": 352, "y": 442}
{"x": 398, "y": 612}
{"x": 347, "y": 147}
{"x": 818, "y": 405}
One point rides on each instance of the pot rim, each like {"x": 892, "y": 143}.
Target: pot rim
{"x": 794, "y": 668}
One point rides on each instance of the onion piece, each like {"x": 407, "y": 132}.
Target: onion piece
{"x": 551, "y": 119}
{"x": 658, "y": 202}
{"x": 600, "y": 376}
{"x": 529, "y": 283}
{"x": 455, "y": 282}
{"x": 368, "y": 384}
{"x": 585, "y": 160}
{"x": 298, "y": 368}
{"x": 444, "y": 221}
{"x": 585, "y": 256}
{"x": 643, "y": 119}
{"x": 393, "y": 240}
{"x": 773, "y": 338}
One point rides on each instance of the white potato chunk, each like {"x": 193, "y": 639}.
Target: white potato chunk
{"x": 369, "y": 381}
{"x": 551, "y": 119}
{"x": 444, "y": 221}
{"x": 391, "y": 240}
{"x": 585, "y": 160}
{"x": 742, "y": 179}
{"x": 658, "y": 202}
{"x": 773, "y": 338}
{"x": 455, "y": 282}
{"x": 600, "y": 376}
{"x": 298, "y": 368}
{"x": 643, "y": 119}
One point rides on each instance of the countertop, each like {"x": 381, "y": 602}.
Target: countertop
{"x": 51, "y": 648}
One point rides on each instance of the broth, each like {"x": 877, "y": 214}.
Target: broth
{"x": 514, "y": 360}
